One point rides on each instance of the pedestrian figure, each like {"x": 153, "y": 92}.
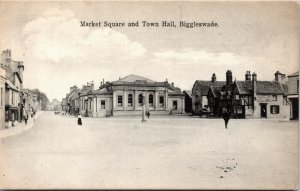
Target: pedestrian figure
{"x": 226, "y": 117}
{"x": 79, "y": 120}
{"x": 148, "y": 114}
{"x": 25, "y": 116}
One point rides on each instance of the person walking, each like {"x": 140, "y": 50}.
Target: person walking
{"x": 25, "y": 116}
{"x": 226, "y": 117}
{"x": 148, "y": 114}
{"x": 79, "y": 122}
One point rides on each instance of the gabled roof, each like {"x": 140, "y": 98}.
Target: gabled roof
{"x": 188, "y": 92}
{"x": 262, "y": 87}
{"x": 74, "y": 94}
{"x": 269, "y": 87}
{"x": 215, "y": 90}
{"x": 133, "y": 78}
{"x": 244, "y": 87}
{"x": 203, "y": 86}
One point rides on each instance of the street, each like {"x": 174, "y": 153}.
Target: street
{"x": 163, "y": 152}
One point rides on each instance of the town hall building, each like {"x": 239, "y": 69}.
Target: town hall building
{"x": 127, "y": 96}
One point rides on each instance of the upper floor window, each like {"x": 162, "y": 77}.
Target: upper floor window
{"x": 1, "y": 96}
{"x": 12, "y": 97}
{"x": 274, "y": 97}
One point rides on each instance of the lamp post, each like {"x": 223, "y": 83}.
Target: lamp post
{"x": 144, "y": 108}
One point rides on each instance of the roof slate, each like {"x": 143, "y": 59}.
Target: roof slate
{"x": 204, "y": 85}
{"x": 263, "y": 87}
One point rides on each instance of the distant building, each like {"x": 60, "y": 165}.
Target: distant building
{"x": 14, "y": 86}
{"x": 293, "y": 95}
{"x": 200, "y": 92}
{"x": 73, "y": 100}
{"x": 64, "y": 105}
{"x": 127, "y": 96}
{"x": 55, "y": 105}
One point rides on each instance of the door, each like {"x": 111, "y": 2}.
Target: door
{"x": 175, "y": 105}
{"x": 263, "y": 110}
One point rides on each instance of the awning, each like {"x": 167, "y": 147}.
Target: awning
{"x": 11, "y": 85}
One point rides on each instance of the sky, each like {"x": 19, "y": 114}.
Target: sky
{"x": 58, "y": 53}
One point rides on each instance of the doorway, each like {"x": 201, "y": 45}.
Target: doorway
{"x": 263, "y": 110}
{"x": 175, "y": 105}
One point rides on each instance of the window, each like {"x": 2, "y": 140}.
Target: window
{"x": 12, "y": 97}
{"x": 130, "y": 100}
{"x": 102, "y": 104}
{"x": 274, "y": 109}
{"x": 161, "y": 101}
{"x": 151, "y": 100}
{"x": 1, "y": 96}
{"x": 120, "y": 100}
{"x": 196, "y": 96}
{"x": 274, "y": 97}
{"x": 140, "y": 100}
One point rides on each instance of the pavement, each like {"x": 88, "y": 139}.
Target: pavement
{"x": 162, "y": 153}
{"x": 19, "y": 127}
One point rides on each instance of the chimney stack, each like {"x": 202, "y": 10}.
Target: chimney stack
{"x": 228, "y": 77}
{"x": 248, "y": 76}
{"x": 278, "y": 77}
{"x": 172, "y": 84}
{"x": 254, "y": 85}
{"x": 213, "y": 78}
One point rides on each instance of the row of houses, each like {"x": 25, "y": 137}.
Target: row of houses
{"x": 248, "y": 98}
{"x": 124, "y": 96}
{"x": 15, "y": 102}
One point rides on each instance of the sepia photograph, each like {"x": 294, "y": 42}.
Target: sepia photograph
{"x": 149, "y": 95}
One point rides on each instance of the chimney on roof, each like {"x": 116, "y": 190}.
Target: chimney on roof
{"x": 103, "y": 81}
{"x": 248, "y": 76}
{"x": 92, "y": 86}
{"x": 279, "y": 77}
{"x": 213, "y": 77}
{"x": 172, "y": 84}
{"x": 254, "y": 85}
{"x": 228, "y": 77}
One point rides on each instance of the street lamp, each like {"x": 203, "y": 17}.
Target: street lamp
{"x": 144, "y": 107}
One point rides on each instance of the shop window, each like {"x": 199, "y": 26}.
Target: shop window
{"x": 274, "y": 109}
{"x": 120, "y": 100}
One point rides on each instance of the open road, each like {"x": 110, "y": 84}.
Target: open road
{"x": 164, "y": 152}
